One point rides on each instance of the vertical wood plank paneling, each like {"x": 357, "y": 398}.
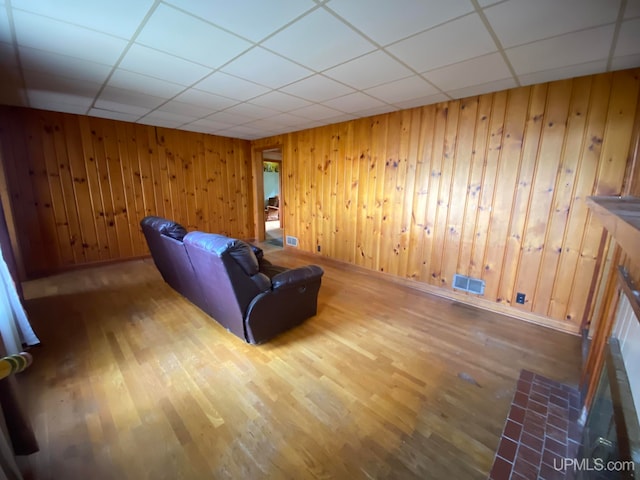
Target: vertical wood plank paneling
{"x": 459, "y": 198}
{"x": 543, "y": 192}
{"x": 421, "y": 191}
{"x": 589, "y": 230}
{"x": 502, "y": 208}
{"x": 492, "y": 186}
{"x": 557, "y": 285}
{"x": 522, "y": 197}
{"x": 81, "y": 185}
{"x": 485, "y": 216}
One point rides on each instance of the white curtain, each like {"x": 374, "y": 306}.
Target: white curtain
{"x": 14, "y": 326}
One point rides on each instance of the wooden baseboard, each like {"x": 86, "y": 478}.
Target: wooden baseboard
{"x": 450, "y": 294}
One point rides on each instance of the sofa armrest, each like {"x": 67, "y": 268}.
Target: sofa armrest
{"x": 296, "y": 276}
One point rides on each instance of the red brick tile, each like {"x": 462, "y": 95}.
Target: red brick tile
{"x": 517, "y": 414}
{"x": 538, "y": 397}
{"x": 507, "y": 449}
{"x": 532, "y": 441}
{"x": 523, "y": 386}
{"x": 552, "y": 458}
{"x": 501, "y": 470}
{"x": 525, "y": 469}
{"x": 532, "y": 456}
{"x": 561, "y": 402}
{"x": 520, "y": 399}
{"x": 517, "y": 476}
{"x": 555, "y": 446}
{"x": 540, "y": 408}
{"x": 540, "y": 390}
{"x": 512, "y": 430}
{"x": 547, "y": 472}
{"x": 526, "y": 375}
{"x": 559, "y": 422}
{"x": 556, "y": 433}
{"x": 534, "y": 428}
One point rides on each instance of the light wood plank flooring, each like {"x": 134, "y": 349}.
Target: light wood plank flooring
{"x": 132, "y": 381}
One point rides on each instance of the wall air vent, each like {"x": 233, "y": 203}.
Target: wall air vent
{"x": 292, "y": 241}
{"x": 468, "y": 284}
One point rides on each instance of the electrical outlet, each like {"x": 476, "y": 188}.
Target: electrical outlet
{"x": 520, "y": 298}
{"x": 318, "y": 248}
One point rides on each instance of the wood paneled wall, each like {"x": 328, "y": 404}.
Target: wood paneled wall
{"x": 490, "y": 186}
{"x": 79, "y": 186}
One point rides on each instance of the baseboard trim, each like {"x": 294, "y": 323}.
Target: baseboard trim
{"x": 467, "y": 299}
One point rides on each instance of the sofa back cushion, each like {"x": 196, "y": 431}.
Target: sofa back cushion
{"x": 228, "y": 272}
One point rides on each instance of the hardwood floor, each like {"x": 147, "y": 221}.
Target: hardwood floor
{"x": 132, "y": 381}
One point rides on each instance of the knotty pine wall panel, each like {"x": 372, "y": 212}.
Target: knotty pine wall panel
{"x": 490, "y": 186}
{"x": 79, "y": 186}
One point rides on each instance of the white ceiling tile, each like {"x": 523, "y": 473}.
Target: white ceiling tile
{"x": 521, "y": 21}
{"x": 386, "y": 22}
{"x": 319, "y": 41}
{"x": 485, "y": 69}
{"x": 629, "y": 61}
{"x": 191, "y": 38}
{"x": 369, "y": 70}
{"x": 628, "y": 38}
{"x": 376, "y": 111}
{"x": 279, "y": 101}
{"x": 54, "y": 102}
{"x": 232, "y": 87}
{"x": 488, "y": 87}
{"x": 165, "y": 119}
{"x": 161, "y": 65}
{"x": 5, "y": 28}
{"x": 344, "y": 117}
{"x": 63, "y": 65}
{"x": 316, "y": 112}
{"x": 255, "y": 20}
{"x": 193, "y": 127}
{"x": 64, "y": 89}
{"x": 105, "y": 17}
{"x": 317, "y": 88}
{"x": 137, "y": 82}
{"x": 242, "y": 131}
{"x": 403, "y": 90}
{"x": 205, "y": 99}
{"x": 65, "y": 39}
{"x": 113, "y": 115}
{"x": 486, "y": 3}
{"x": 210, "y": 124}
{"x": 286, "y": 119}
{"x": 266, "y": 68}
{"x": 419, "y": 102}
{"x": 451, "y": 43}
{"x": 186, "y": 110}
{"x": 354, "y": 102}
{"x": 633, "y": 9}
{"x": 230, "y": 118}
{"x": 251, "y": 111}
{"x": 571, "y": 49}
{"x": 40, "y": 98}
{"x": 118, "y": 99}
{"x": 563, "y": 72}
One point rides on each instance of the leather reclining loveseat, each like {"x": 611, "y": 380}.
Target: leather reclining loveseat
{"x": 231, "y": 280}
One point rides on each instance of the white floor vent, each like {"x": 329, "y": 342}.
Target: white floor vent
{"x": 468, "y": 284}
{"x": 292, "y": 241}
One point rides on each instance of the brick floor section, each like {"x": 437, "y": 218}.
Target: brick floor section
{"x": 540, "y": 432}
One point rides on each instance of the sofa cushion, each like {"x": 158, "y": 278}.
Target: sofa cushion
{"x": 242, "y": 253}
{"x": 174, "y": 230}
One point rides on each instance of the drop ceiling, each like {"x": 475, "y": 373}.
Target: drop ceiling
{"x": 255, "y": 68}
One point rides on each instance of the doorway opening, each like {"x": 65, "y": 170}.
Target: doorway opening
{"x": 272, "y": 180}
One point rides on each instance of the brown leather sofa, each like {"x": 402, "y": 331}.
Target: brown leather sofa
{"x": 232, "y": 281}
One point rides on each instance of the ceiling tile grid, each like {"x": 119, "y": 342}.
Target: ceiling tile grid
{"x": 261, "y": 68}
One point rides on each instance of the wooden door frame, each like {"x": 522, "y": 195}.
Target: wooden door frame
{"x": 257, "y": 174}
